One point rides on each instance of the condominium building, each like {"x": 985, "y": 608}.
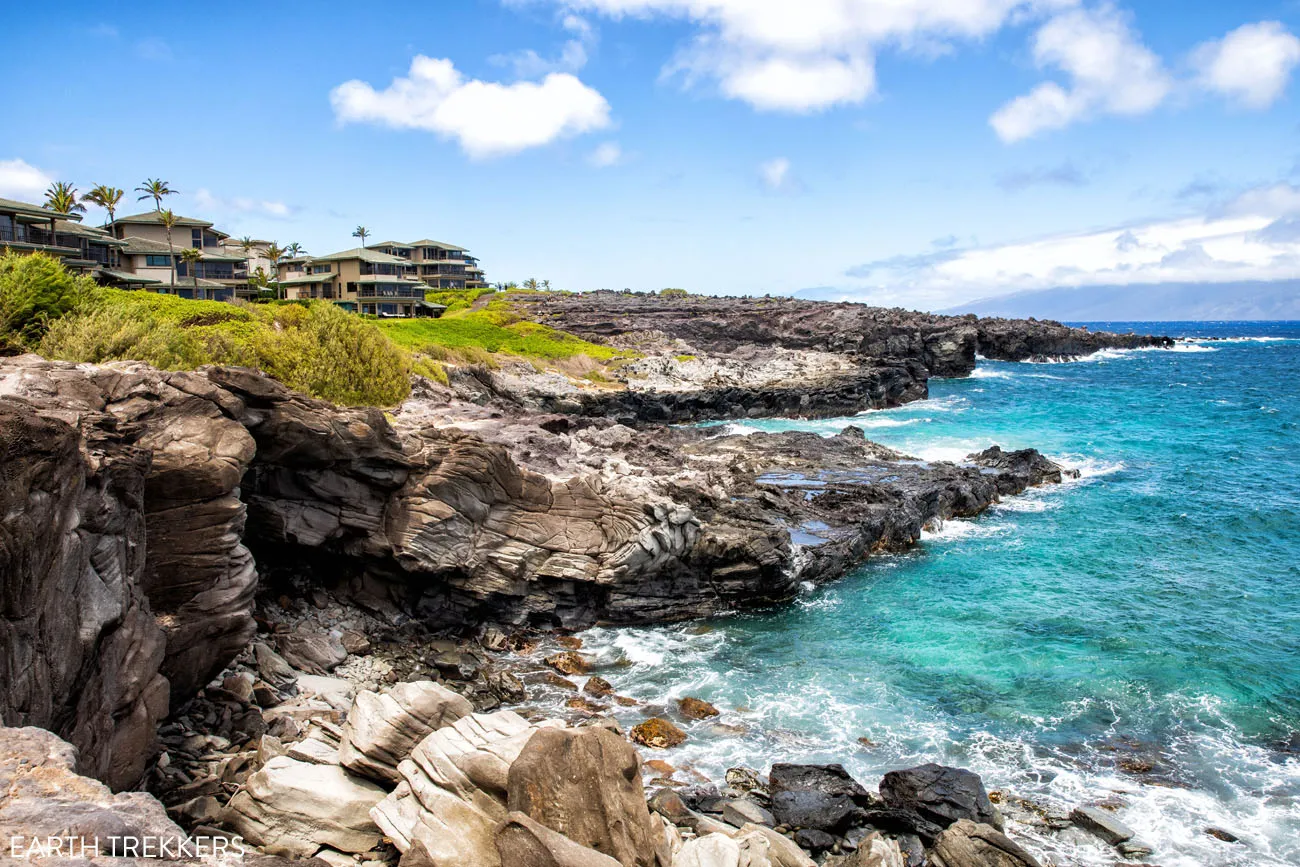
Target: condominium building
{"x": 441, "y": 265}
{"x": 31, "y": 228}
{"x": 217, "y": 276}
{"x": 362, "y": 280}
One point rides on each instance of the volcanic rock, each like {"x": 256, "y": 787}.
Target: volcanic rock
{"x": 940, "y": 794}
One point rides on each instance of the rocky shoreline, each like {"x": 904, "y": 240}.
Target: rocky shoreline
{"x": 504, "y": 505}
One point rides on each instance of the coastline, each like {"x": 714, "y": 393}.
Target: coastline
{"x": 751, "y": 523}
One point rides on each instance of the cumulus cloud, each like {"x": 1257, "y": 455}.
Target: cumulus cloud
{"x": 206, "y": 200}
{"x": 487, "y": 119}
{"x": 21, "y": 180}
{"x": 606, "y": 154}
{"x": 1251, "y": 65}
{"x": 1251, "y": 237}
{"x": 1107, "y": 69}
{"x": 809, "y": 56}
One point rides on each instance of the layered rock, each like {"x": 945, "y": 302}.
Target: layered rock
{"x": 945, "y": 345}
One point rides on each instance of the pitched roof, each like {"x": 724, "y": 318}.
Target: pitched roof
{"x": 306, "y": 278}
{"x": 140, "y": 246}
{"x": 389, "y": 244}
{"x": 125, "y": 277}
{"x": 29, "y": 209}
{"x": 98, "y": 235}
{"x": 426, "y": 242}
{"x": 374, "y": 257}
{"x": 154, "y": 218}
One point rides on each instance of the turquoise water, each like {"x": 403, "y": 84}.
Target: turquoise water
{"x": 1149, "y": 611}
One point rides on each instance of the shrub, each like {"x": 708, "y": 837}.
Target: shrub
{"x": 35, "y": 290}
{"x": 116, "y": 334}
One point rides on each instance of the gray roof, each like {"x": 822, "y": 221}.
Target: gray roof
{"x": 154, "y": 218}
{"x": 427, "y": 242}
{"x": 306, "y": 278}
{"x": 14, "y": 206}
{"x": 126, "y": 277}
{"x": 365, "y": 255}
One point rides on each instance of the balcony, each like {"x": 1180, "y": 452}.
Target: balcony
{"x": 381, "y": 290}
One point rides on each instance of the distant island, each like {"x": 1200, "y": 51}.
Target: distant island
{"x": 1168, "y": 302}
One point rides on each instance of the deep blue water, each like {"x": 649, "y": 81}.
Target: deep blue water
{"x": 1149, "y": 611}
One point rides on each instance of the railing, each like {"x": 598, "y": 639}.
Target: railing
{"x": 391, "y": 292}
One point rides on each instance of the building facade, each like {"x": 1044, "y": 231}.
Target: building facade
{"x": 218, "y": 276}
{"x": 31, "y": 228}
{"x": 361, "y": 280}
{"x": 441, "y": 265}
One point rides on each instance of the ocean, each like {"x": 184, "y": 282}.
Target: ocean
{"x": 1131, "y": 637}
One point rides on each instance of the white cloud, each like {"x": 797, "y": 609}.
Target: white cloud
{"x": 1248, "y": 238}
{"x": 606, "y": 154}
{"x": 1251, "y": 64}
{"x": 1110, "y": 71}
{"x": 206, "y": 200}
{"x": 572, "y": 57}
{"x": 22, "y": 180}
{"x": 775, "y": 173}
{"x": 487, "y": 118}
{"x": 781, "y": 55}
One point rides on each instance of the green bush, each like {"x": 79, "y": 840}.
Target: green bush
{"x": 35, "y": 290}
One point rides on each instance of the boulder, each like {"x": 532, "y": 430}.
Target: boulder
{"x": 1101, "y": 823}
{"x": 42, "y": 796}
{"x": 818, "y": 797}
{"x": 657, "y": 732}
{"x": 696, "y": 708}
{"x": 311, "y": 652}
{"x": 970, "y": 844}
{"x": 568, "y": 662}
{"x": 452, "y": 797}
{"x": 813, "y": 840}
{"x": 763, "y": 847}
{"x": 585, "y": 783}
{"x": 293, "y": 808}
{"x": 523, "y": 842}
{"x": 711, "y": 850}
{"x": 383, "y": 728}
{"x": 875, "y": 851}
{"x": 940, "y": 794}
{"x": 598, "y": 687}
{"x": 742, "y": 812}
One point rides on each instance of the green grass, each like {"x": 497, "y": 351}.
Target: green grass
{"x": 494, "y": 329}
{"x": 456, "y": 299}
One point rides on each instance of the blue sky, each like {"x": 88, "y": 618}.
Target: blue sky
{"x": 921, "y": 153}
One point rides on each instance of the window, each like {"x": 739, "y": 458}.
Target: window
{"x": 157, "y": 261}
{"x": 196, "y": 238}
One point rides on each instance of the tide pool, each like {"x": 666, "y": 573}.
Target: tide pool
{"x": 1133, "y": 634}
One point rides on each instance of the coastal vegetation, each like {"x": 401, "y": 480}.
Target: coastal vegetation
{"x": 312, "y": 346}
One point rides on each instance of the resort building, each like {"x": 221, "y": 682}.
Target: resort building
{"x": 218, "y": 276}
{"x": 29, "y": 228}
{"x": 362, "y": 280}
{"x": 442, "y": 266}
{"x": 257, "y": 256}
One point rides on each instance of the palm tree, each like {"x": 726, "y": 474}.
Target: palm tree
{"x": 295, "y": 250}
{"x": 168, "y": 220}
{"x": 107, "y": 198}
{"x": 361, "y": 232}
{"x": 546, "y": 284}
{"x": 154, "y": 189}
{"x": 531, "y": 284}
{"x": 62, "y": 197}
{"x": 275, "y": 253}
{"x": 191, "y": 256}
{"x": 247, "y": 244}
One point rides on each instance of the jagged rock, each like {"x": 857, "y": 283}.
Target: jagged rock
{"x": 598, "y": 687}
{"x": 272, "y": 666}
{"x": 311, "y": 652}
{"x": 568, "y": 662}
{"x": 813, "y": 840}
{"x": 970, "y": 844}
{"x": 1102, "y": 824}
{"x": 586, "y": 784}
{"x": 764, "y": 847}
{"x": 711, "y": 850}
{"x": 657, "y": 732}
{"x": 523, "y": 842}
{"x": 741, "y": 813}
{"x": 817, "y": 797}
{"x": 452, "y": 797}
{"x": 42, "y": 796}
{"x": 383, "y": 728}
{"x": 293, "y": 808}
{"x": 940, "y": 794}
{"x": 873, "y": 851}
{"x": 695, "y": 708}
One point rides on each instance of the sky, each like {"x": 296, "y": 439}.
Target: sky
{"x": 919, "y": 153}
